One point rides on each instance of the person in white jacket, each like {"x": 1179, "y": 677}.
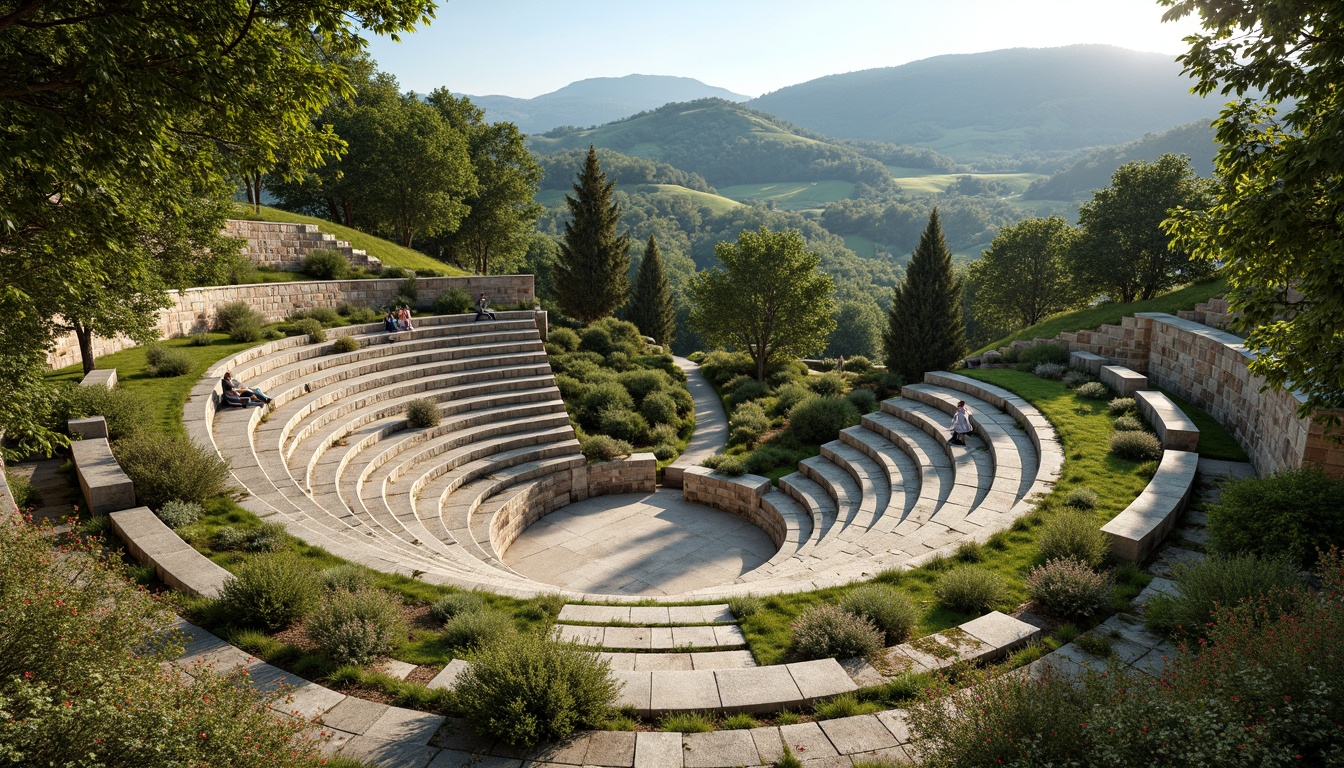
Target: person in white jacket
{"x": 961, "y": 423}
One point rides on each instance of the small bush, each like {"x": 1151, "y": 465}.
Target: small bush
{"x": 768, "y": 457}
{"x": 739, "y": 722}
{"x": 1056, "y": 354}
{"x": 228, "y": 317}
{"x": 789, "y": 395}
{"x": 127, "y": 412}
{"x": 1081, "y": 498}
{"x": 731, "y": 466}
{"x": 623, "y": 425}
{"x": 1053, "y": 371}
{"x": 270, "y": 591}
{"x": 392, "y": 273}
{"x": 476, "y": 629}
{"x": 456, "y": 604}
{"x": 344, "y": 344}
{"x": 323, "y": 264}
{"x": 865, "y": 400}
{"x": 176, "y": 514}
{"x": 720, "y": 366}
{"x": 346, "y": 578}
{"x": 887, "y": 608}
{"x": 1076, "y": 379}
{"x": 970, "y": 589}
{"x": 969, "y": 552}
{"x": 312, "y": 329}
{"x": 422, "y": 413}
{"x": 356, "y": 627}
{"x": 324, "y": 315}
{"x": 820, "y": 420}
{"x": 453, "y": 302}
{"x": 1136, "y": 446}
{"x": 660, "y": 408}
{"x": 643, "y": 382}
{"x": 267, "y": 537}
{"x": 1128, "y": 424}
{"x": 167, "y": 467}
{"x": 1221, "y": 581}
{"x": 1093, "y": 390}
{"x": 744, "y": 389}
{"x": 1073, "y": 536}
{"x": 566, "y": 338}
{"x": 601, "y": 397}
{"x": 527, "y": 690}
{"x": 829, "y": 385}
{"x": 201, "y": 339}
{"x": 747, "y": 424}
{"x": 603, "y": 447}
{"x": 167, "y": 361}
{"x": 829, "y": 631}
{"x": 407, "y": 292}
{"x": 1069, "y": 589}
{"x": 1122, "y": 405}
{"x": 595, "y": 339}
{"x": 1294, "y": 514}
{"x": 745, "y": 606}
{"x": 858, "y": 364}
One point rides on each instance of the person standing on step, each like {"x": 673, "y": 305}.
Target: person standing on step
{"x": 483, "y": 309}
{"x": 961, "y": 423}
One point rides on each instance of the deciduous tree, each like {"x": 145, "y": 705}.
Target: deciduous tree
{"x": 592, "y": 277}
{"x": 858, "y": 329}
{"x": 924, "y": 326}
{"x": 651, "y": 302}
{"x": 1024, "y": 275}
{"x": 769, "y": 299}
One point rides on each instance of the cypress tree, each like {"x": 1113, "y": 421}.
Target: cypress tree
{"x": 592, "y": 277}
{"x": 651, "y": 302}
{"x": 925, "y": 331}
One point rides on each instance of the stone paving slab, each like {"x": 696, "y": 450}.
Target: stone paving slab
{"x": 807, "y": 740}
{"x": 718, "y": 749}
{"x": 447, "y": 677}
{"x": 685, "y": 691}
{"x": 820, "y": 678}
{"x": 389, "y": 754}
{"x": 354, "y": 715}
{"x": 1001, "y": 631}
{"x": 759, "y": 689}
{"x": 658, "y": 750}
{"x": 611, "y": 748}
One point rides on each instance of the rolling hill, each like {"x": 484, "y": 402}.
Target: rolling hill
{"x": 1017, "y": 102}
{"x": 597, "y": 100}
{"x": 1078, "y": 180}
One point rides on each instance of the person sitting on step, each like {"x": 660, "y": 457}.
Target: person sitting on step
{"x": 483, "y": 309}
{"x": 242, "y": 390}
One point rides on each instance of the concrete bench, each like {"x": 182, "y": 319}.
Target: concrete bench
{"x": 176, "y": 563}
{"x": 100, "y": 377}
{"x": 1124, "y": 381}
{"x": 1137, "y": 531}
{"x": 1174, "y": 428}
{"x": 105, "y": 487}
{"x": 1086, "y": 361}
{"x": 88, "y": 428}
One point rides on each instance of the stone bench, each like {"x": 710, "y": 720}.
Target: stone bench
{"x": 89, "y": 428}
{"x": 1173, "y": 427}
{"x": 1086, "y": 361}
{"x": 100, "y": 377}
{"x": 1124, "y": 381}
{"x": 1137, "y": 531}
{"x": 105, "y": 487}
{"x": 158, "y": 546}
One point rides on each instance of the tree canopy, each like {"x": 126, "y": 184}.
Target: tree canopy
{"x": 651, "y": 301}
{"x": 592, "y": 278}
{"x": 1024, "y": 275}
{"x": 769, "y": 298}
{"x": 924, "y": 325}
{"x": 1275, "y": 217}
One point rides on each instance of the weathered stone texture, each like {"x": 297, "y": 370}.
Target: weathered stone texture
{"x": 279, "y": 245}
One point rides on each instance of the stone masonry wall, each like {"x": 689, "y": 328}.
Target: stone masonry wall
{"x": 194, "y": 308}
{"x": 279, "y": 245}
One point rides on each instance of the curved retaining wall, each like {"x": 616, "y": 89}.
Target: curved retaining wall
{"x": 193, "y": 309}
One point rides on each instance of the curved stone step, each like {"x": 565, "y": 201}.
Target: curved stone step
{"x": 721, "y": 637}
{"x": 931, "y": 464}
{"x": 972, "y": 467}
{"x": 818, "y": 503}
{"x": 844, "y": 492}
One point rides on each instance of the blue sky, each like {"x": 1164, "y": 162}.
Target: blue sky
{"x": 528, "y": 47}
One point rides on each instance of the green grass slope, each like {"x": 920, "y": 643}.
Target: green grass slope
{"x": 792, "y": 195}
{"x": 1094, "y": 317}
{"x": 391, "y": 254}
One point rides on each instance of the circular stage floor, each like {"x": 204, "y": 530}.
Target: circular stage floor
{"x": 638, "y": 544}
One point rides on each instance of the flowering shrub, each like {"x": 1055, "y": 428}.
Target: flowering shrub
{"x": 829, "y": 631}
{"x": 356, "y": 627}
{"x": 1075, "y": 536}
{"x": 1069, "y": 588}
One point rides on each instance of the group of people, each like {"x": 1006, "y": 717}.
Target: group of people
{"x": 398, "y": 319}
{"x": 239, "y": 395}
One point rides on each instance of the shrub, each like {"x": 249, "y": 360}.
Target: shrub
{"x": 229, "y": 317}
{"x": 858, "y": 364}
{"x": 127, "y": 412}
{"x": 865, "y": 400}
{"x": 1081, "y": 498}
{"x": 1056, "y": 354}
{"x": 356, "y": 627}
{"x": 346, "y": 578}
{"x": 789, "y": 395}
{"x": 888, "y": 609}
{"x": 644, "y": 382}
{"x": 1136, "y": 446}
{"x": 270, "y": 591}
{"x": 1221, "y": 581}
{"x": 767, "y": 457}
{"x": 1293, "y": 513}
{"x": 732, "y": 466}
{"x": 720, "y": 366}
{"x": 176, "y": 514}
{"x": 167, "y": 361}
{"x": 744, "y": 389}
{"x": 422, "y": 413}
{"x": 829, "y": 631}
{"x": 603, "y": 447}
{"x": 1122, "y": 405}
{"x": 829, "y": 385}
{"x": 660, "y": 408}
{"x": 1053, "y": 371}
{"x": 1093, "y": 390}
{"x": 600, "y": 397}
{"x": 453, "y": 302}
{"x": 26, "y": 496}
{"x": 745, "y": 606}
{"x": 166, "y": 467}
{"x": 1073, "y": 536}
{"x": 312, "y": 329}
{"x": 595, "y": 339}
{"x": 392, "y": 273}
{"x": 1128, "y": 424}
{"x": 324, "y": 264}
{"x": 456, "y": 604}
{"x": 407, "y": 293}
{"x": 747, "y": 424}
{"x": 1069, "y": 589}
{"x": 267, "y": 537}
{"x": 820, "y": 420}
{"x": 475, "y": 629}
{"x": 345, "y": 344}
{"x": 527, "y": 690}
{"x": 566, "y": 338}
{"x": 324, "y": 315}
{"x": 970, "y": 589}
{"x": 623, "y": 425}
{"x": 201, "y": 339}
{"x": 1075, "y": 379}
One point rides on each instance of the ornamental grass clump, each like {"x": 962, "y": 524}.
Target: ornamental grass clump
{"x": 1136, "y": 446}
{"x": 270, "y": 591}
{"x": 356, "y": 627}
{"x": 456, "y": 604}
{"x": 970, "y": 589}
{"x": 887, "y": 608}
{"x": 1093, "y": 390}
{"x": 1121, "y": 406}
{"x": 422, "y": 413}
{"x": 474, "y": 629}
{"x": 829, "y": 631}
{"x": 1081, "y": 498}
{"x": 1073, "y": 535}
{"x": 526, "y": 689}
{"x": 1069, "y": 588}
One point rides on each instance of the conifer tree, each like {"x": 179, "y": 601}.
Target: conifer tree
{"x": 651, "y": 302}
{"x": 592, "y": 277}
{"x": 925, "y": 331}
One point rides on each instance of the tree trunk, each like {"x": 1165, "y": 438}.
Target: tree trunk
{"x": 85, "y": 337}
{"x": 760, "y": 365}
{"x": 349, "y": 209}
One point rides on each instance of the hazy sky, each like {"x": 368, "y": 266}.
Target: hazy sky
{"x": 528, "y": 47}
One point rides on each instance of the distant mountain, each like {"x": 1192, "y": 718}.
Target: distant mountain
{"x": 1018, "y": 102}
{"x": 597, "y": 100}
{"x": 1077, "y": 181}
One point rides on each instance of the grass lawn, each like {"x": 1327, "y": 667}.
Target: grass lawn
{"x": 1087, "y": 319}
{"x": 1215, "y": 442}
{"x": 792, "y": 195}
{"x": 922, "y": 181}
{"x": 715, "y": 203}
{"x": 391, "y": 254}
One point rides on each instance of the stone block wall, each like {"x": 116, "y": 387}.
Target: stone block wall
{"x": 193, "y": 309}
{"x": 637, "y": 473}
{"x": 742, "y": 496}
{"x": 278, "y": 245}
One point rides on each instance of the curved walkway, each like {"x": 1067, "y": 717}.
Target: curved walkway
{"x": 711, "y": 424}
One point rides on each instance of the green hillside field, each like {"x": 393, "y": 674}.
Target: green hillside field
{"x": 922, "y": 181}
{"x": 555, "y": 198}
{"x": 391, "y": 254}
{"x": 792, "y": 195}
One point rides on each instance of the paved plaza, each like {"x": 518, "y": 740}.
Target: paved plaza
{"x": 638, "y": 544}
